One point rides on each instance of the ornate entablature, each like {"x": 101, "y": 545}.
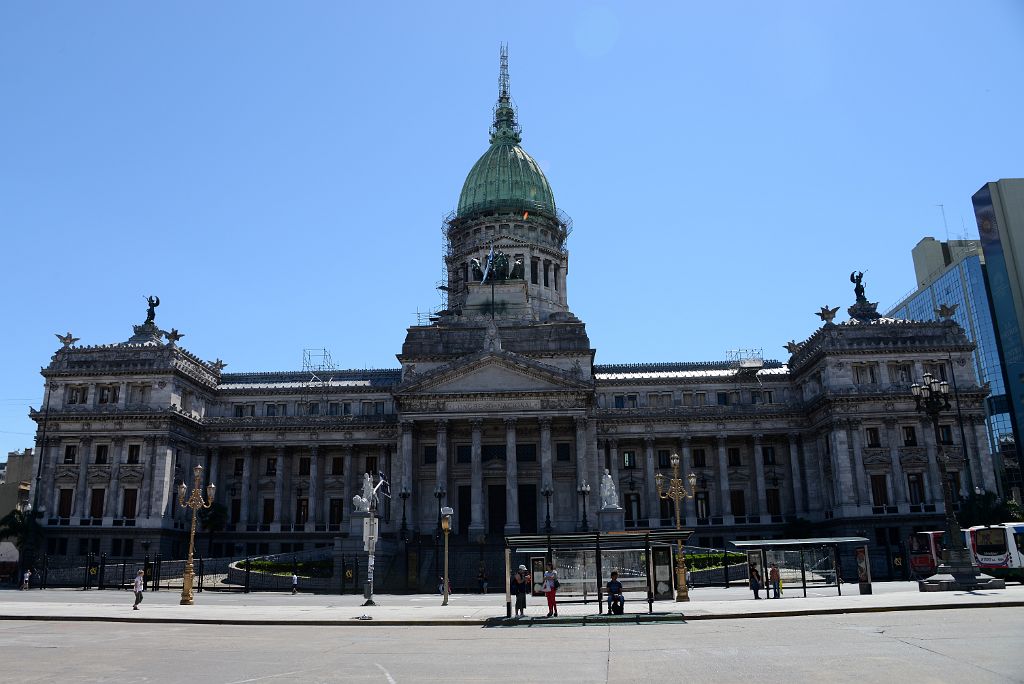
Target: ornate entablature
{"x": 66, "y": 474}
{"x": 130, "y": 473}
{"x": 98, "y": 474}
{"x": 913, "y": 458}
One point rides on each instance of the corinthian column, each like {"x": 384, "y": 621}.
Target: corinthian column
{"x": 476, "y": 523}
{"x": 511, "y": 479}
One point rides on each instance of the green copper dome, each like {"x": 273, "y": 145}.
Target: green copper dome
{"x": 506, "y": 177}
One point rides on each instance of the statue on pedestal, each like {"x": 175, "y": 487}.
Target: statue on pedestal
{"x": 609, "y": 497}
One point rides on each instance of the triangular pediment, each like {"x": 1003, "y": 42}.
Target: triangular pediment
{"x": 493, "y": 372}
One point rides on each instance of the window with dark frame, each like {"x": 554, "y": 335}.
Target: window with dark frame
{"x": 64, "y": 499}
{"x": 699, "y": 458}
{"x": 664, "y": 458}
{"x": 337, "y": 465}
{"x": 873, "y": 437}
{"x": 70, "y": 453}
{"x": 304, "y": 465}
{"x": 102, "y": 451}
{"x": 129, "y": 501}
{"x": 526, "y": 453}
{"x": 879, "y": 490}
{"x": 945, "y": 435}
{"x": 629, "y": 459}
{"x": 463, "y": 453}
{"x": 909, "y": 436}
{"x": 239, "y": 467}
{"x": 563, "y": 452}
{"x": 773, "y": 501}
{"x": 768, "y": 455}
{"x": 134, "y": 451}
{"x": 96, "y": 503}
{"x": 733, "y": 454}
{"x": 272, "y": 465}
{"x": 738, "y": 501}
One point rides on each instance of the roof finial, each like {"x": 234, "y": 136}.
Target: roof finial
{"x": 505, "y": 128}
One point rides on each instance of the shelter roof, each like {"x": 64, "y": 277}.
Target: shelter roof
{"x": 796, "y": 543}
{"x": 629, "y": 539}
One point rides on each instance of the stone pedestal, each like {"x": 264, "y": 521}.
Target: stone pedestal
{"x": 949, "y": 578}
{"x": 611, "y": 519}
{"x": 356, "y": 525}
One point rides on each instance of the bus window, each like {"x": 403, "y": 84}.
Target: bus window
{"x": 1018, "y": 536}
{"x": 990, "y": 541}
{"x": 919, "y": 543}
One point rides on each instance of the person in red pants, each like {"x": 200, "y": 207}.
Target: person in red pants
{"x": 550, "y": 586}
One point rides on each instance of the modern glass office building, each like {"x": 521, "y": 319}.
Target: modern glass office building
{"x": 954, "y": 273}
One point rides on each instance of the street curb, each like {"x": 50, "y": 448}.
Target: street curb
{"x": 583, "y": 620}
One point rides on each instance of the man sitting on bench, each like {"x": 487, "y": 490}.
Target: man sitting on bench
{"x": 616, "y": 600}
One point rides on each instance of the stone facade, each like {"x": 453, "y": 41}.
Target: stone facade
{"x": 498, "y": 410}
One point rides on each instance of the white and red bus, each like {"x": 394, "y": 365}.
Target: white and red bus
{"x": 925, "y": 551}
{"x": 999, "y": 549}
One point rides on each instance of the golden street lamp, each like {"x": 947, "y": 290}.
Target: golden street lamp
{"x": 446, "y": 527}
{"x": 195, "y": 502}
{"x": 677, "y": 493}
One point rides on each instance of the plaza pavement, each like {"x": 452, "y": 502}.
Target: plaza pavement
{"x": 272, "y": 608}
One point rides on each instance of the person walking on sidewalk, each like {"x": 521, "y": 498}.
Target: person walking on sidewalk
{"x": 295, "y": 584}
{"x": 550, "y": 586}
{"x": 140, "y": 585}
{"x": 518, "y": 589}
{"x": 25, "y": 579}
{"x": 775, "y": 579}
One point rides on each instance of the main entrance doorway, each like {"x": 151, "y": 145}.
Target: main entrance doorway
{"x": 528, "y": 508}
{"x": 496, "y": 509}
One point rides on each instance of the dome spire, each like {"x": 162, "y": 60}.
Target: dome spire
{"x": 505, "y": 128}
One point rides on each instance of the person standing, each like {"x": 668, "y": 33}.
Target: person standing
{"x": 755, "y": 580}
{"x": 481, "y": 579}
{"x": 775, "y": 579}
{"x": 518, "y": 589}
{"x": 140, "y": 585}
{"x": 25, "y": 579}
{"x": 295, "y": 583}
{"x": 550, "y": 586}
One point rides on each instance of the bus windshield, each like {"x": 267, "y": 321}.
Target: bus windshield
{"x": 990, "y": 541}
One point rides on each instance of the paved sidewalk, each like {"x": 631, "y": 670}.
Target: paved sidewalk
{"x": 467, "y": 609}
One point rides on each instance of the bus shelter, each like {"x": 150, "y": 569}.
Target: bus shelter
{"x": 643, "y": 559}
{"x": 815, "y": 561}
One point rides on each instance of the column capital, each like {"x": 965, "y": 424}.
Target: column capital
{"x": 442, "y": 425}
{"x": 477, "y": 424}
{"x": 510, "y": 423}
{"x": 613, "y": 443}
{"x": 314, "y": 450}
{"x": 407, "y": 426}
{"x": 648, "y": 441}
{"x": 346, "y": 449}
{"x": 545, "y": 422}
{"x": 581, "y": 422}
{"x": 118, "y": 441}
{"x": 279, "y": 449}
{"x": 684, "y": 441}
{"x": 758, "y": 437}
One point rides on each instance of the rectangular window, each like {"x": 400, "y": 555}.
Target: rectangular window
{"x": 272, "y": 466}
{"x": 664, "y": 458}
{"x": 773, "y": 501}
{"x": 937, "y": 369}
{"x": 239, "y": 467}
{"x": 738, "y": 501}
{"x": 900, "y": 373}
{"x": 270, "y": 410}
{"x": 909, "y": 436}
{"x": 879, "y": 490}
{"x": 734, "y": 457}
{"x": 755, "y": 396}
{"x": 864, "y": 374}
{"x": 107, "y": 394}
{"x": 78, "y": 395}
{"x": 335, "y": 512}
{"x": 557, "y": 275}
{"x": 492, "y": 452}
{"x": 699, "y": 459}
{"x": 701, "y": 503}
{"x": 339, "y": 408}
{"x": 534, "y": 271}
{"x": 268, "y": 511}
{"x": 953, "y": 477}
{"x": 526, "y": 453}
{"x": 301, "y": 511}
{"x": 768, "y": 455}
{"x": 767, "y": 396}
{"x": 915, "y": 489}
{"x": 338, "y": 465}
{"x": 236, "y": 511}
{"x": 430, "y": 454}
{"x": 946, "y": 434}
{"x": 70, "y": 453}
{"x": 64, "y": 503}
{"x": 313, "y": 408}
{"x": 620, "y": 401}
{"x": 700, "y": 399}
{"x": 723, "y": 398}
{"x": 464, "y": 453}
{"x": 874, "y": 439}
{"x": 245, "y": 410}
{"x": 371, "y": 465}
{"x": 134, "y": 451}
{"x": 629, "y": 459}
{"x": 102, "y": 451}
{"x": 96, "y": 503}
{"x": 304, "y": 465}
{"x": 563, "y": 452}
{"x": 129, "y": 503}
{"x": 547, "y": 270}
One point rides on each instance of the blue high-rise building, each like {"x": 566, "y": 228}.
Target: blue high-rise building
{"x": 953, "y": 273}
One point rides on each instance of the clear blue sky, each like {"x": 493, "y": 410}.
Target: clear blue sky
{"x": 277, "y": 172}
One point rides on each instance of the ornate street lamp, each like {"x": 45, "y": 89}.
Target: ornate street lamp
{"x": 932, "y": 398}
{"x": 546, "y": 493}
{"x": 678, "y": 494}
{"x": 446, "y": 526}
{"x": 195, "y": 502}
{"x": 584, "y": 492}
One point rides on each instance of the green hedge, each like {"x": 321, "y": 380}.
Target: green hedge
{"x": 707, "y": 561}
{"x": 322, "y": 568}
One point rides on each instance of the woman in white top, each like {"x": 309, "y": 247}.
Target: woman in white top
{"x": 550, "y": 587}
{"x": 140, "y": 583}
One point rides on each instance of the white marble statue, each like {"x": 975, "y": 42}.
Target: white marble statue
{"x": 609, "y": 497}
{"x": 362, "y": 503}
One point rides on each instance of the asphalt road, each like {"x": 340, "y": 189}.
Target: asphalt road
{"x": 928, "y": 646}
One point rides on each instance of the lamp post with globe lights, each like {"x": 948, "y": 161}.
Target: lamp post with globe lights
{"x": 957, "y": 571}
{"x": 678, "y": 494}
{"x": 195, "y": 502}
